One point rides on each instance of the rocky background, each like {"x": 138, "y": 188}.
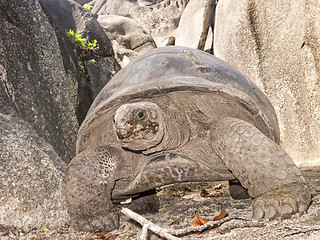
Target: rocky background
{"x": 56, "y": 55}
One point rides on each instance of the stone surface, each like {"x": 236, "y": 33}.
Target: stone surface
{"x": 276, "y": 43}
{"x": 31, "y": 191}
{"x": 33, "y": 76}
{"x": 65, "y": 15}
{"x": 128, "y": 37}
{"x": 113, "y": 7}
{"x": 194, "y": 25}
{"x": 159, "y": 17}
{"x": 37, "y": 119}
{"x": 100, "y": 73}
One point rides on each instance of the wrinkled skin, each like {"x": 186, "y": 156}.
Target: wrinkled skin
{"x": 139, "y": 126}
{"x": 127, "y": 149}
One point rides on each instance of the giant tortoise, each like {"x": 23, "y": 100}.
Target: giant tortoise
{"x": 173, "y": 115}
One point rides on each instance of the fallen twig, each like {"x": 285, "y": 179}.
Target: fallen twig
{"x": 145, "y": 222}
{"x": 300, "y": 230}
{"x": 168, "y": 233}
{"x": 144, "y": 232}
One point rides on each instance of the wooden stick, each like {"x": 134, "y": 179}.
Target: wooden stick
{"x": 300, "y": 230}
{"x": 145, "y": 222}
{"x": 168, "y": 233}
{"x": 144, "y": 232}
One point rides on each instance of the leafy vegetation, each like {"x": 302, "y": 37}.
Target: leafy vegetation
{"x": 87, "y": 50}
{"x": 92, "y": 60}
{"x": 87, "y": 6}
{"x": 81, "y": 66}
{"x": 82, "y": 42}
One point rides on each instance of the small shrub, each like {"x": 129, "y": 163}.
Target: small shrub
{"x": 92, "y": 45}
{"x": 80, "y": 41}
{"x": 81, "y": 66}
{"x": 87, "y": 6}
{"x": 87, "y": 51}
{"x": 92, "y": 61}
{"x": 70, "y": 33}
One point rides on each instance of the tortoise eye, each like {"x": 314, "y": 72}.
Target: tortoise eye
{"x": 141, "y": 115}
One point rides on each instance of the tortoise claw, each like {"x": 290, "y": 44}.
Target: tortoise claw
{"x": 282, "y": 202}
{"x": 110, "y": 222}
{"x": 105, "y": 223}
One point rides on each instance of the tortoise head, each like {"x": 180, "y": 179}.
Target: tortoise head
{"x": 139, "y": 126}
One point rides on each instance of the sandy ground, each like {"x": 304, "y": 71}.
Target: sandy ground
{"x": 208, "y": 199}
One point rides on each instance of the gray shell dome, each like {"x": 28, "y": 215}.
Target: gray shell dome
{"x": 172, "y": 68}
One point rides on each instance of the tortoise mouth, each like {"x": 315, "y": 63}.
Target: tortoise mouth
{"x": 123, "y": 133}
{"x": 137, "y": 130}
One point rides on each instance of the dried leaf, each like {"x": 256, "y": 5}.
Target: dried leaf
{"x": 222, "y": 214}
{"x": 199, "y": 221}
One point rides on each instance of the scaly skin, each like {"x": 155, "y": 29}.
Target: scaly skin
{"x": 262, "y": 167}
{"x": 89, "y": 181}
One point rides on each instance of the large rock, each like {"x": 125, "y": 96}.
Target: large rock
{"x": 159, "y": 17}
{"x": 196, "y": 21}
{"x": 119, "y": 7}
{"x": 99, "y": 73}
{"x": 88, "y": 79}
{"x": 31, "y": 173}
{"x": 128, "y": 37}
{"x": 276, "y": 43}
{"x": 37, "y": 119}
{"x": 35, "y": 81}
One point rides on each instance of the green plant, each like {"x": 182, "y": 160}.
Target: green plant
{"x": 82, "y": 42}
{"x": 87, "y": 50}
{"x": 92, "y": 45}
{"x": 92, "y": 61}
{"x": 81, "y": 66}
{"x": 70, "y": 33}
{"x": 87, "y": 6}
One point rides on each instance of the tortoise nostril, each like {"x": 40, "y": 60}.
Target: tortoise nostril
{"x": 122, "y": 133}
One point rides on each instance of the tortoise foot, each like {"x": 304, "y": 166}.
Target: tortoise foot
{"x": 282, "y": 202}
{"x": 106, "y": 223}
{"x": 89, "y": 181}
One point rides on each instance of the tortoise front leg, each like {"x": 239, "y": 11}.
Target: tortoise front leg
{"x": 89, "y": 181}
{"x": 262, "y": 167}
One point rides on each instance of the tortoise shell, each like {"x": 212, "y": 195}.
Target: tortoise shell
{"x": 165, "y": 70}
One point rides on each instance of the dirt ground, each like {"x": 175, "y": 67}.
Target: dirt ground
{"x": 207, "y": 199}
